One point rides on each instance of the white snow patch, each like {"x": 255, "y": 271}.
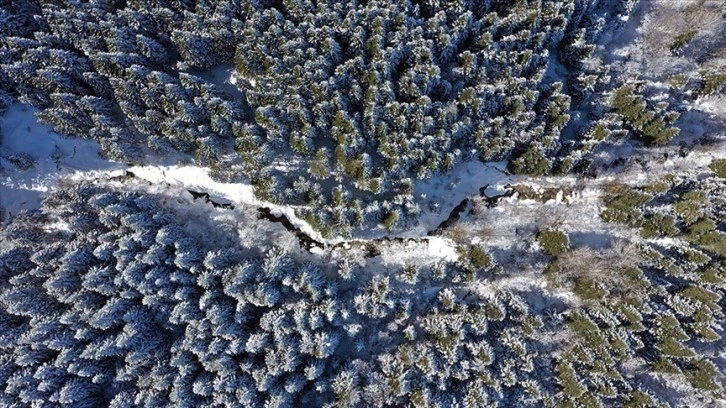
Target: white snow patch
{"x": 667, "y": 242}
{"x": 58, "y": 225}
{"x": 223, "y": 76}
{"x": 419, "y": 253}
{"x": 442, "y": 248}
{"x": 444, "y": 192}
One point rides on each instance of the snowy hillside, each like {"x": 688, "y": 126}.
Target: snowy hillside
{"x": 426, "y": 204}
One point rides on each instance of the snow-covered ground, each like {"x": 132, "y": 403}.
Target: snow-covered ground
{"x": 507, "y": 229}
{"x": 25, "y": 142}
{"x": 52, "y": 158}
{"x": 640, "y": 46}
{"x": 440, "y": 194}
{"x": 198, "y": 179}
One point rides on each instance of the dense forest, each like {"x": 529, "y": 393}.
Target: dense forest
{"x": 339, "y": 107}
{"x": 108, "y": 299}
{"x": 591, "y": 273}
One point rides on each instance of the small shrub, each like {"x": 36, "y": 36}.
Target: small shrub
{"x": 638, "y": 399}
{"x": 658, "y": 225}
{"x": 700, "y": 229}
{"x": 711, "y": 84}
{"x": 494, "y": 312}
{"x": 713, "y": 276}
{"x": 479, "y": 257}
{"x": 472, "y": 259}
{"x": 704, "y": 234}
{"x": 718, "y": 166}
{"x": 567, "y": 379}
{"x": 674, "y": 348}
{"x": 319, "y": 167}
{"x": 705, "y": 333}
{"x": 564, "y": 166}
{"x": 689, "y": 208}
{"x": 657, "y": 187}
{"x": 588, "y": 331}
{"x": 682, "y": 40}
{"x": 665, "y": 366}
{"x": 624, "y": 102}
{"x": 390, "y": 221}
{"x": 410, "y": 274}
{"x": 704, "y": 296}
{"x": 677, "y": 81}
{"x": 588, "y": 289}
{"x": 649, "y": 125}
{"x": 623, "y": 207}
{"x": 599, "y": 132}
{"x": 552, "y": 242}
{"x": 550, "y": 273}
{"x": 696, "y": 257}
{"x": 702, "y": 375}
{"x": 532, "y": 161}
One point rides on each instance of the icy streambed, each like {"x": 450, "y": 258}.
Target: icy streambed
{"x": 34, "y": 160}
{"x": 200, "y": 185}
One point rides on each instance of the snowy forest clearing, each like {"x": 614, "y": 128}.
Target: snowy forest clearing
{"x": 508, "y": 228}
{"x": 22, "y": 190}
{"x": 36, "y": 160}
{"x": 50, "y": 161}
{"x": 33, "y": 158}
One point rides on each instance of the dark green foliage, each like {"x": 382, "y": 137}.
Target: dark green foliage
{"x": 390, "y": 220}
{"x": 658, "y": 187}
{"x": 700, "y": 229}
{"x": 474, "y": 259}
{"x": 599, "y": 132}
{"x": 677, "y": 81}
{"x": 531, "y": 161}
{"x": 588, "y": 331}
{"x": 682, "y": 40}
{"x": 621, "y": 205}
{"x": 319, "y": 166}
{"x": 718, "y": 166}
{"x": 479, "y": 257}
{"x": 651, "y": 126}
{"x": 658, "y": 225}
{"x": 638, "y": 399}
{"x": 703, "y": 296}
{"x": 567, "y": 379}
{"x": 588, "y": 289}
{"x": 550, "y": 272}
{"x": 704, "y": 234}
{"x": 711, "y": 83}
{"x": 690, "y": 206}
{"x": 702, "y": 374}
{"x": 552, "y": 242}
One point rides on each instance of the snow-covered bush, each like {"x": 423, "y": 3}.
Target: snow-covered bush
{"x": 552, "y": 242}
